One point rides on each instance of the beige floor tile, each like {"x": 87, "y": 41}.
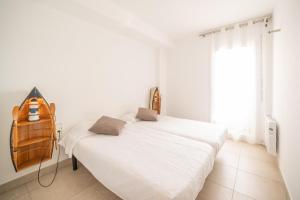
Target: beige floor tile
{"x": 228, "y": 158}
{"x": 261, "y": 168}
{"x": 44, "y": 194}
{"x": 74, "y": 182}
{"x": 223, "y": 175}
{"x": 201, "y": 197}
{"x": 67, "y": 184}
{"x": 46, "y": 179}
{"x": 232, "y": 146}
{"x": 213, "y": 191}
{"x": 257, "y": 152}
{"x": 239, "y": 196}
{"x": 106, "y": 192}
{"x": 258, "y": 187}
{"x": 14, "y": 194}
{"x": 96, "y": 192}
{"x": 24, "y": 197}
{"x": 90, "y": 193}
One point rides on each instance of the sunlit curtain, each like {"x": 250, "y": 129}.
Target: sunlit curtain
{"x": 237, "y": 81}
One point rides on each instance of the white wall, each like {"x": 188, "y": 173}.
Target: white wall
{"x": 162, "y": 63}
{"x": 86, "y": 69}
{"x": 188, "y": 79}
{"x": 286, "y": 91}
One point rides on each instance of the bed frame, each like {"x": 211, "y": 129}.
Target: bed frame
{"x": 74, "y": 163}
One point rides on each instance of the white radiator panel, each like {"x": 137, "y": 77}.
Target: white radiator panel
{"x": 271, "y": 135}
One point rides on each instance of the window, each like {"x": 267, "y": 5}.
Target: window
{"x": 234, "y": 89}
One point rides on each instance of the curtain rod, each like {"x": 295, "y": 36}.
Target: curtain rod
{"x": 231, "y": 26}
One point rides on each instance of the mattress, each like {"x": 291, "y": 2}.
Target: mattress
{"x": 209, "y": 133}
{"x": 143, "y": 163}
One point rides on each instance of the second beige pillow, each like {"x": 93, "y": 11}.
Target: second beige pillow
{"x": 147, "y": 114}
{"x": 108, "y": 126}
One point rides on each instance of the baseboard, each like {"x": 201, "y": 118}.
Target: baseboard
{"x": 284, "y": 182}
{"x": 30, "y": 177}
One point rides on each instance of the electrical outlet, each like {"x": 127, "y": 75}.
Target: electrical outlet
{"x": 59, "y": 127}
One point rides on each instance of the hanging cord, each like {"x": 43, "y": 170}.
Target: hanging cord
{"x": 41, "y": 184}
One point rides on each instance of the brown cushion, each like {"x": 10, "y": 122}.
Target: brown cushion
{"x": 147, "y": 114}
{"x": 108, "y": 126}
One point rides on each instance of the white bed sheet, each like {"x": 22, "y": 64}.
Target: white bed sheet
{"x": 210, "y": 133}
{"x": 143, "y": 163}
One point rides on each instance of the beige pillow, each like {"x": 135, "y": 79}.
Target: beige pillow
{"x": 108, "y": 126}
{"x": 147, "y": 114}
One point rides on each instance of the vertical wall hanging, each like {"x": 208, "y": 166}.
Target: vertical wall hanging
{"x": 33, "y": 131}
{"x": 155, "y": 99}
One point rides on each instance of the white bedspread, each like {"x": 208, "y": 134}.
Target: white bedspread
{"x": 212, "y": 134}
{"x": 143, "y": 163}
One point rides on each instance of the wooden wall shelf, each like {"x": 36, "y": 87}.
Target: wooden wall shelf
{"x": 28, "y": 123}
{"x": 32, "y": 141}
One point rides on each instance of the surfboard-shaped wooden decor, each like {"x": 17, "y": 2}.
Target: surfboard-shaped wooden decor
{"x": 33, "y": 131}
{"x": 155, "y": 99}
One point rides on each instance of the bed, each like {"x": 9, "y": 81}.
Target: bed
{"x": 209, "y": 133}
{"x": 142, "y": 163}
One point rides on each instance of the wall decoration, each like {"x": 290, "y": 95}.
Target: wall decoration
{"x": 33, "y": 114}
{"x": 33, "y": 131}
{"x": 155, "y": 99}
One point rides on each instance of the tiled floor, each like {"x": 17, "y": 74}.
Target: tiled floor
{"x": 241, "y": 172}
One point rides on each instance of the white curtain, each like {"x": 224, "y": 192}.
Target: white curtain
{"x": 237, "y": 81}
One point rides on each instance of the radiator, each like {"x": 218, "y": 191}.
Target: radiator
{"x": 271, "y": 135}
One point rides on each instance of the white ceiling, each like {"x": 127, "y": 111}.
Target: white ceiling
{"x": 179, "y": 18}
